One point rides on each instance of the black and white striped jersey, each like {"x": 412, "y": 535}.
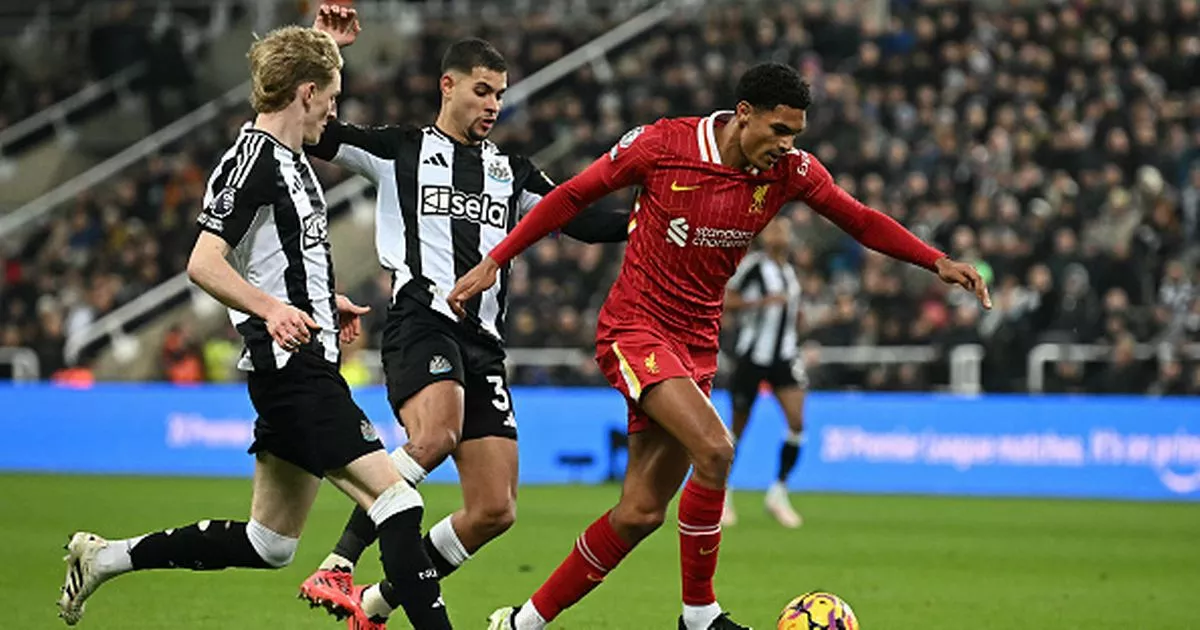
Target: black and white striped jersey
{"x": 264, "y": 200}
{"x": 767, "y": 335}
{"x": 442, "y": 205}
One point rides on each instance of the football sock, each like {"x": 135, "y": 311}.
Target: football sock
{"x": 528, "y": 618}
{"x": 359, "y": 533}
{"x": 699, "y": 541}
{"x": 115, "y": 559}
{"x": 209, "y": 545}
{"x": 334, "y": 562}
{"x": 411, "y": 581}
{"x": 699, "y": 617}
{"x": 444, "y": 548}
{"x": 789, "y": 454}
{"x": 597, "y": 551}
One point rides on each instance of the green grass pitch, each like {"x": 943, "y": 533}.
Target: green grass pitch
{"x": 903, "y": 562}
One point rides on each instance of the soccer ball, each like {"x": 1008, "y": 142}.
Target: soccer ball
{"x": 817, "y": 611}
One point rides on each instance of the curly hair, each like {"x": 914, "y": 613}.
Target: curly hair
{"x": 769, "y": 85}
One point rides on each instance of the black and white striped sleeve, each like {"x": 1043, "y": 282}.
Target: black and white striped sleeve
{"x": 240, "y": 186}
{"x": 592, "y": 225}
{"x": 368, "y": 151}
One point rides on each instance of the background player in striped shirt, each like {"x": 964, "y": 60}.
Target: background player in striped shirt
{"x": 765, "y": 293}
{"x": 708, "y": 186}
{"x": 446, "y": 196}
{"x": 264, "y": 253}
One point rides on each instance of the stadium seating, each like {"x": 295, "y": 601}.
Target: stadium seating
{"x": 1059, "y": 147}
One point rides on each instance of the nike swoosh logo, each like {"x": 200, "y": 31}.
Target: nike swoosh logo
{"x": 594, "y": 578}
{"x": 675, "y": 187}
{"x": 708, "y": 552}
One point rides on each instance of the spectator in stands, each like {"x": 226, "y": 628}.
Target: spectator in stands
{"x": 1124, "y": 374}
{"x": 1170, "y": 380}
{"x": 220, "y": 355}
{"x": 181, "y": 358}
{"x": 1056, "y": 145}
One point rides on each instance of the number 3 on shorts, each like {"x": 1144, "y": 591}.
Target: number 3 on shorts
{"x": 501, "y": 401}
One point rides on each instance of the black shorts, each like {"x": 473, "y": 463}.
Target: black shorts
{"x": 422, "y": 347}
{"x": 307, "y": 417}
{"x": 747, "y": 377}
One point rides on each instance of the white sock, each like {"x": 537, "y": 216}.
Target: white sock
{"x": 446, "y": 541}
{"x": 409, "y": 469}
{"x": 374, "y": 604}
{"x": 699, "y": 617}
{"x": 528, "y": 618}
{"x": 114, "y": 559}
{"x": 334, "y": 561}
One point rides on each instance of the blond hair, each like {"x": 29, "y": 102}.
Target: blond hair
{"x": 287, "y": 58}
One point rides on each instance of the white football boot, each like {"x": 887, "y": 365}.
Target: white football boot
{"x": 502, "y": 618}
{"x": 778, "y": 504}
{"x": 83, "y": 575}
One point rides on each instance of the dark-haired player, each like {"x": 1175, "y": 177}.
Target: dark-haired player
{"x": 708, "y": 185}
{"x": 446, "y": 196}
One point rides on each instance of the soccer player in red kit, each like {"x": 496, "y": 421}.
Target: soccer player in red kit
{"x": 708, "y": 186}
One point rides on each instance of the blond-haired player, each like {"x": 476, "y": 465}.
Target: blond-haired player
{"x": 264, "y": 252}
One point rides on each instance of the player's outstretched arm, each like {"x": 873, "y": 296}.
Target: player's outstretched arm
{"x": 591, "y": 225}
{"x": 362, "y": 150}
{"x": 599, "y": 225}
{"x": 884, "y": 234}
{"x": 550, "y": 214}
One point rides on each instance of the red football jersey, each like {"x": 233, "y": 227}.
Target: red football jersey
{"x": 694, "y": 220}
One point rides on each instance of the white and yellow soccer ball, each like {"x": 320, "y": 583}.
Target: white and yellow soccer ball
{"x": 817, "y": 611}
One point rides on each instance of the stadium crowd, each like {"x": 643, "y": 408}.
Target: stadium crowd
{"x": 1058, "y": 146}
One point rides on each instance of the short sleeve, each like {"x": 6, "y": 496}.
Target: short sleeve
{"x": 233, "y": 199}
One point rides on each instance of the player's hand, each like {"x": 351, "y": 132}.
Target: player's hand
{"x": 290, "y": 327}
{"x": 349, "y": 318}
{"x": 773, "y": 299}
{"x": 476, "y": 281}
{"x": 966, "y": 276}
{"x": 340, "y": 22}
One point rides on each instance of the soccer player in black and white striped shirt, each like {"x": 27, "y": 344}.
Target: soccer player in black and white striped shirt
{"x": 265, "y": 212}
{"x": 766, "y": 296}
{"x": 446, "y": 195}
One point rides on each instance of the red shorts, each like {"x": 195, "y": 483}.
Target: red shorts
{"x": 634, "y": 360}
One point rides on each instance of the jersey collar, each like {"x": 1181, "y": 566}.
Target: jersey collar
{"x": 706, "y": 138}
{"x": 249, "y": 128}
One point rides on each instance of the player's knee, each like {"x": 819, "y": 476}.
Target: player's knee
{"x": 434, "y": 442}
{"x": 713, "y": 461}
{"x": 635, "y": 522}
{"x": 275, "y": 549}
{"x": 493, "y": 519}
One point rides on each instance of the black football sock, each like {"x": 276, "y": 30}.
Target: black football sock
{"x": 360, "y": 533}
{"x": 203, "y": 546}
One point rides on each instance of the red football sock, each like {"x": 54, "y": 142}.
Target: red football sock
{"x": 596, "y": 552}
{"x": 699, "y": 538}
